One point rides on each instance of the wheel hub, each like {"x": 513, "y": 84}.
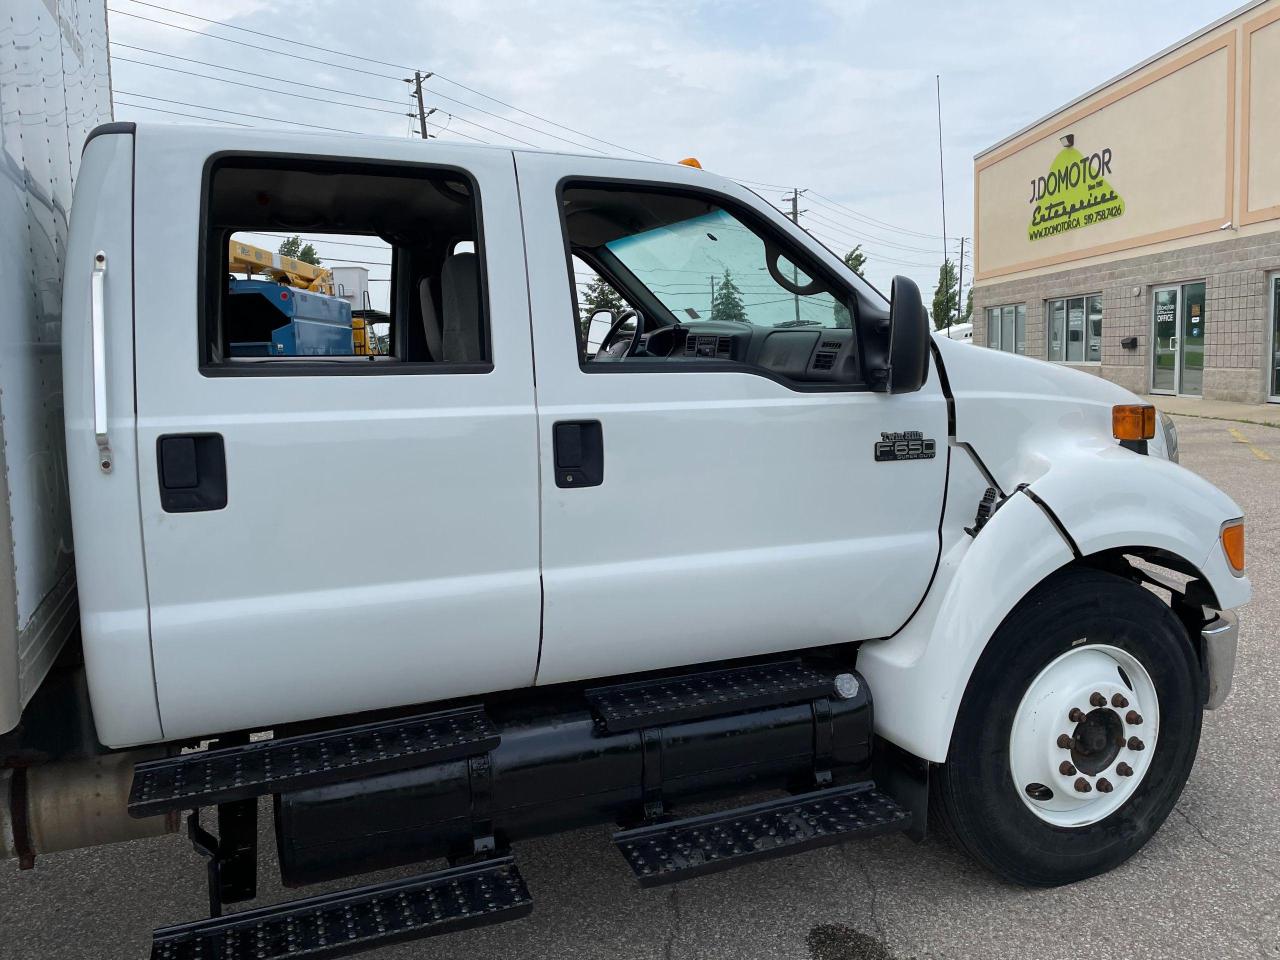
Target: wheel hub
{"x": 1084, "y": 735}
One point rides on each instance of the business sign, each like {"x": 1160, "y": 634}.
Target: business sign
{"x": 1073, "y": 194}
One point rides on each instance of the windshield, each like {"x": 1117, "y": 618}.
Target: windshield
{"x": 713, "y": 267}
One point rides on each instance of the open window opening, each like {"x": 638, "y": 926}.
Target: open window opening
{"x": 332, "y": 267}
{"x": 679, "y": 278}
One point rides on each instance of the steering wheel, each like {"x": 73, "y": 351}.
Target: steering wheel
{"x": 616, "y": 351}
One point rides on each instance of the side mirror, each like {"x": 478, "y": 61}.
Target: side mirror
{"x": 908, "y": 353}
{"x": 597, "y": 327}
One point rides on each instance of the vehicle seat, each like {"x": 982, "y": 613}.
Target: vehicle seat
{"x": 460, "y": 306}
{"x": 430, "y": 320}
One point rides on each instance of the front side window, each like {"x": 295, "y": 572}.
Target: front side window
{"x": 1007, "y": 328}
{"x": 1074, "y": 329}
{"x": 707, "y": 285}
{"x": 332, "y": 267}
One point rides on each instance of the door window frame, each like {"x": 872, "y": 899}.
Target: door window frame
{"x": 1179, "y": 287}
{"x": 786, "y": 245}
{"x": 207, "y": 295}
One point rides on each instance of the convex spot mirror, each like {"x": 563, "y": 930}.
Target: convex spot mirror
{"x": 598, "y": 326}
{"x": 908, "y": 365}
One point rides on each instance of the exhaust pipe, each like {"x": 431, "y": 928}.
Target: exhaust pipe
{"x": 70, "y": 804}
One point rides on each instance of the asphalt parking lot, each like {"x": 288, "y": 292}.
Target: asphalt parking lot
{"x": 1208, "y": 885}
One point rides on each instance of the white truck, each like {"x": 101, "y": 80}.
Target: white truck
{"x": 597, "y": 585}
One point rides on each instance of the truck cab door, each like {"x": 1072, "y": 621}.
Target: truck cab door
{"x": 333, "y": 523}
{"x": 717, "y": 493}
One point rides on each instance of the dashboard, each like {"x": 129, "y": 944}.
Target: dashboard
{"x": 809, "y": 354}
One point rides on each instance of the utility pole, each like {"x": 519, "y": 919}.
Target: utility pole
{"x": 713, "y": 292}
{"x": 795, "y": 218}
{"x": 423, "y": 112}
{"x": 942, "y": 173}
{"x": 959, "y": 286}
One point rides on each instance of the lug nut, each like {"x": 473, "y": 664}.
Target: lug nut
{"x": 1136, "y": 744}
{"x": 1124, "y": 769}
{"x": 1119, "y": 702}
{"x": 1066, "y": 769}
{"x": 1097, "y": 700}
{"x": 1064, "y": 741}
{"x": 1082, "y": 785}
{"x": 1076, "y": 715}
{"x": 1133, "y": 718}
{"x": 1104, "y": 786}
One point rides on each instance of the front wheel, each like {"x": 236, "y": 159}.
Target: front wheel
{"x": 1077, "y": 732}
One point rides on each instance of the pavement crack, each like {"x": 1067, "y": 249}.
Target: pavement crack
{"x": 1221, "y": 850}
{"x": 674, "y": 928}
{"x": 873, "y": 892}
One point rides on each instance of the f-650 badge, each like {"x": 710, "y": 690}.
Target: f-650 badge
{"x": 905, "y": 445}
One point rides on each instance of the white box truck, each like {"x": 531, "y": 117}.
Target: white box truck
{"x": 603, "y": 568}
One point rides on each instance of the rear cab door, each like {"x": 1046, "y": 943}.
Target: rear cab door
{"x": 332, "y": 523}
{"x": 723, "y": 496}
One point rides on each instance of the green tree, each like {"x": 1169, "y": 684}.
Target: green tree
{"x": 946, "y": 298}
{"x": 727, "y": 302}
{"x": 968, "y": 307}
{"x": 856, "y": 260}
{"x": 294, "y": 247}
{"x": 599, "y": 296}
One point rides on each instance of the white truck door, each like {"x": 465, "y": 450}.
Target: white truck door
{"x": 722, "y": 497}
{"x": 337, "y": 516}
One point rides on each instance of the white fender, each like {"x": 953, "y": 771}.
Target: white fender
{"x": 919, "y": 675}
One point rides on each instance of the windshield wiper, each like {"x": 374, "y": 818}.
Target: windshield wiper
{"x": 799, "y": 323}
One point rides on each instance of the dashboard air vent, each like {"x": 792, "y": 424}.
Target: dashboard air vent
{"x": 824, "y": 360}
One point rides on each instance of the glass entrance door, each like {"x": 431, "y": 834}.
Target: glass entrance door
{"x": 1191, "y": 341}
{"x": 1164, "y": 339}
{"x": 1274, "y": 370}
{"x": 1177, "y": 356}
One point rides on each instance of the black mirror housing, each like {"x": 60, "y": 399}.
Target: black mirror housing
{"x": 908, "y": 353}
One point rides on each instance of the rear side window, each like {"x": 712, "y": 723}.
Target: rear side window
{"x": 329, "y": 267}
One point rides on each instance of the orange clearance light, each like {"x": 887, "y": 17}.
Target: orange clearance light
{"x": 1233, "y": 544}
{"x": 1133, "y": 422}
{"x": 691, "y": 162}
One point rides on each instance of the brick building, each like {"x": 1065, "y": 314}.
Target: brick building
{"x": 1135, "y": 232}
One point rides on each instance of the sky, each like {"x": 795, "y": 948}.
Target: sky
{"x": 836, "y": 97}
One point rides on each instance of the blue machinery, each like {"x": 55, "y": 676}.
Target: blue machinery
{"x": 288, "y": 322}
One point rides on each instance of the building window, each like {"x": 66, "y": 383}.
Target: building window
{"x": 1074, "y": 329}
{"x": 1007, "y": 328}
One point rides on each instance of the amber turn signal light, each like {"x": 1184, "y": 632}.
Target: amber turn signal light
{"x": 1133, "y": 421}
{"x": 690, "y": 162}
{"x": 1233, "y": 544}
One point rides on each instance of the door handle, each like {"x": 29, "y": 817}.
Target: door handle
{"x": 192, "y": 469}
{"x": 579, "y": 453}
{"x": 98, "y": 347}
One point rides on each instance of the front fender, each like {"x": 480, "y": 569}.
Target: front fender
{"x": 919, "y": 675}
{"x": 1109, "y": 498}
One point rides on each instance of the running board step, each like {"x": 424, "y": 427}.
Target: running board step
{"x": 292, "y": 763}
{"x": 667, "y": 852}
{"x": 649, "y": 703}
{"x": 351, "y": 921}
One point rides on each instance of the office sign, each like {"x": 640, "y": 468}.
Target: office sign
{"x": 1074, "y": 194}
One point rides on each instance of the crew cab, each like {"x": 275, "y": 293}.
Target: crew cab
{"x": 525, "y": 569}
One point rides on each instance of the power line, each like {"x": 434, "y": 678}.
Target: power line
{"x": 254, "y": 86}
{"x": 869, "y": 239}
{"x": 852, "y": 222}
{"x": 849, "y": 211}
{"x": 189, "y": 116}
{"x": 237, "y": 113}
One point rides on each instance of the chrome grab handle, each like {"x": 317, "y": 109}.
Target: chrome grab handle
{"x": 97, "y": 332}
{"x": 1173, "y": 343}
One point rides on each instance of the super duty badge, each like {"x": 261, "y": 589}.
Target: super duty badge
{"x": 905, "y": 445}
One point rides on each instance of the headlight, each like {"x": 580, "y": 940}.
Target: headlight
{"x": 1170, "y": 436}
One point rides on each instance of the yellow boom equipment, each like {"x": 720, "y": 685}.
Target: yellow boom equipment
{"x": 246, "y": 258}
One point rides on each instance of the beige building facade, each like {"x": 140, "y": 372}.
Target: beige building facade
{"x": 1135, "y": 232}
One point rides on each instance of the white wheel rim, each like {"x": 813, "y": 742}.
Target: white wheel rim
{"x": 1113, "y": 735}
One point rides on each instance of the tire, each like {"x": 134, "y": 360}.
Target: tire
{"x": 1069, "y": 622}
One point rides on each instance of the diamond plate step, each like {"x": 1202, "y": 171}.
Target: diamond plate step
{"x": 292, "y": 763}
{"x": 351, "y": 921}
{"x": 667, "y": 852}
{"x": 633, "y": 706}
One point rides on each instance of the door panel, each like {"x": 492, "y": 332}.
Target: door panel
{"x": 735, "y": 515}
{"x": 1164, "y": 354}
{"x": 1191, "y": 342}
{"x": 379, "y": 543}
